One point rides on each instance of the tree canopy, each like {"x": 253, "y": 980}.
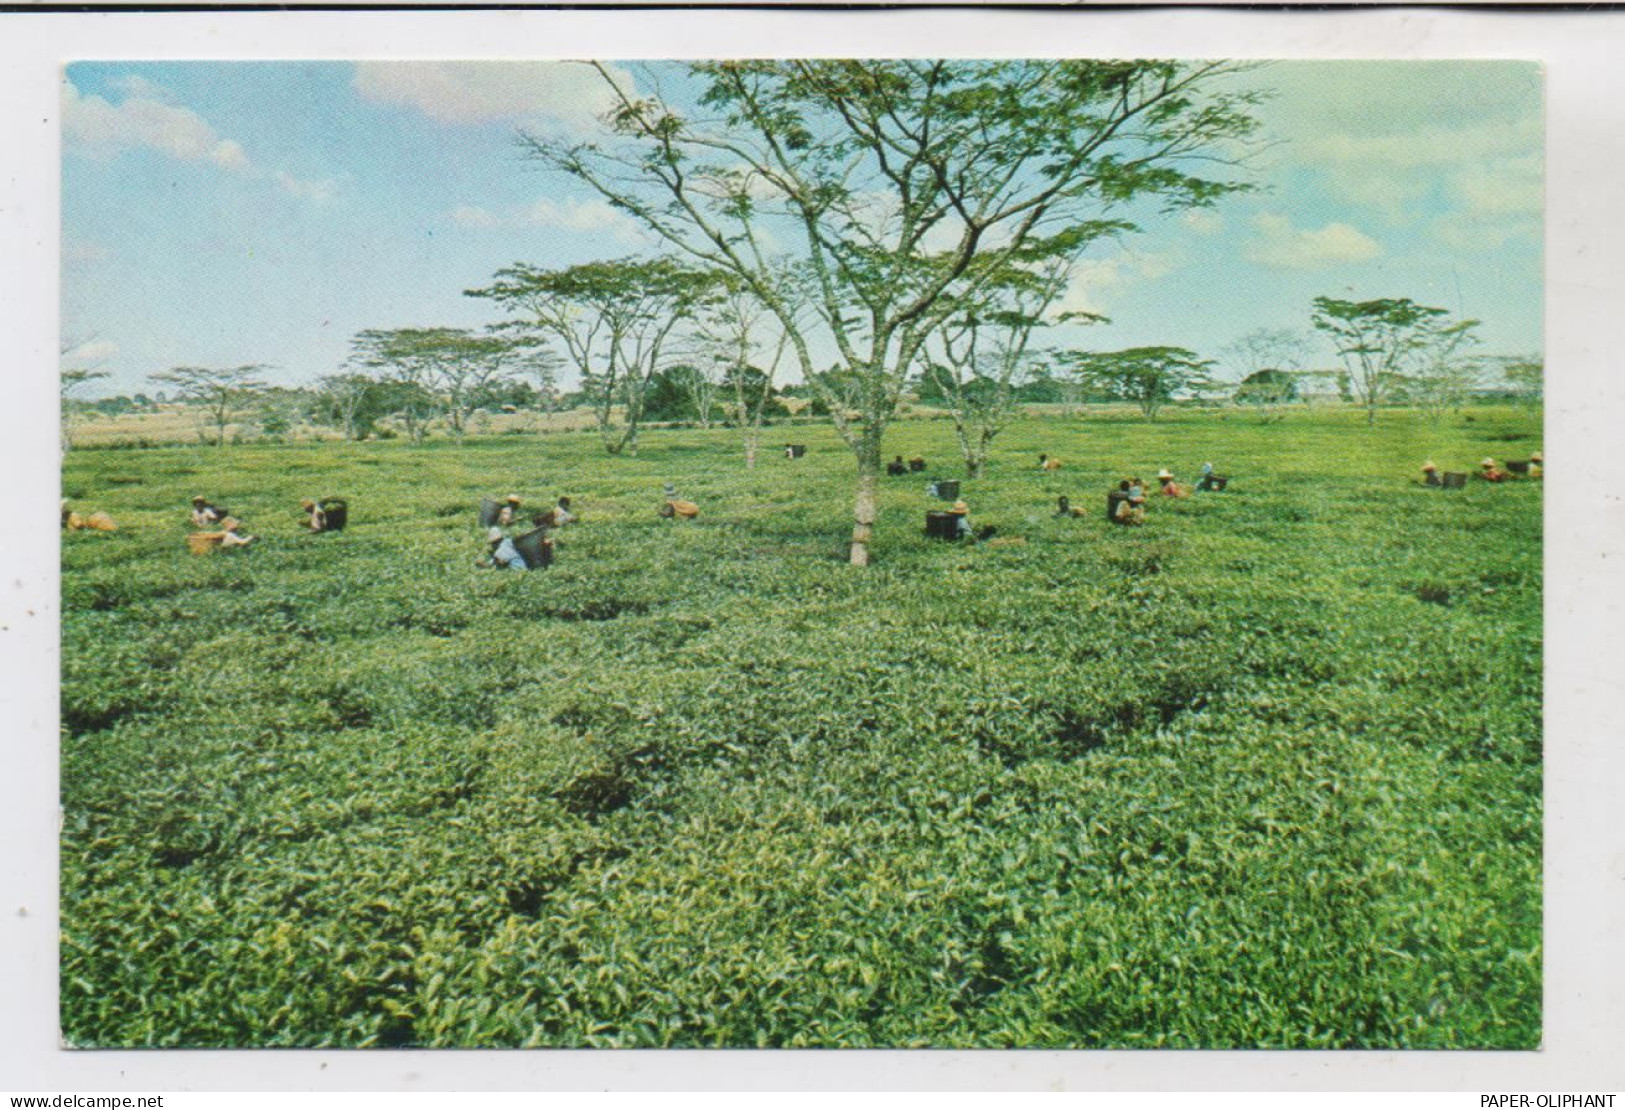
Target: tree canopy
{"x": 899, "y": 189}
{"x": 1147, "y": 376}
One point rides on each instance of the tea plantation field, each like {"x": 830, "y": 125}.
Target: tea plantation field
{"x": 1265, "y": 772}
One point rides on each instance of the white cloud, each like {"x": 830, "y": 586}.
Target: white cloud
{"x": 317, "y": 191}
{"x": 565, "y": 93}
{"x": 94, "y": 351}
{"x": 472, "y": 215}
{"x": 1281, "y": 246}
{"x": 1513, "y": 187}
{"x": 1093, "y": 276}
{"x": 1404, "y": 139}
{"x": 103, "y": 129}
{"x": 1203, "y": 221}
{"x": 584, "y": 216}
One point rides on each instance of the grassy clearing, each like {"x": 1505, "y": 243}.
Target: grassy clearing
{"x": 1262, "y": 773}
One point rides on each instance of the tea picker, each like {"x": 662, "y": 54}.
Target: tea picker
{"x": 1211, "y": 481}
{"x": 1169, "y": 487}
{"x": 674, "y": 507}
{"x": 1063, "y": 507}
{"x": 95, "y": 522}
{"x": 1122, "y": 507}
{"x": 204, "y": 543}
{"x": 503, "y": 513}
{"x": 896, "y": 467}
{"x": 954, "y": 524}
{"x": 1047, "y": 463}
{"x": 205, "y": 515}
{"x": 331, "y": 514}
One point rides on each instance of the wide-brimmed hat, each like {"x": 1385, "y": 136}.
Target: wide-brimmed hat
{"x": 307, "y": 504}
{"x": 513, "y": 498}
{"x": 1535, "y": 457}
{"x": 200, "y": 500}
{"x": 1164, "y": 474}
{"x": 1487, "y": 462}
{"x": 1429, "y": 465}
{"x": 493, "y": 533}
{"x": 960, "y": 507}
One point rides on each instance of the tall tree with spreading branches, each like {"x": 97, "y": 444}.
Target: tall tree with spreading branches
{"x": 1266, "y": 362}
{"x": 1149, "y": 377}
{"x": 977, "y": 357}
{"x": 218, "y": 390}
{"x": 745, "y": 348}
{"x": 613, "y": 320}
{"x": 1380, "y": 342}
{"x": 902, "y": 188}
{"x": 451, "y": 366}
{"x": 70, "y": 378}
{"x": 1446, "y": 370}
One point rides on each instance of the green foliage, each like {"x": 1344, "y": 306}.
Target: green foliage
{"x": 1149, "y": 377}
{"x": 1265, "y": 772}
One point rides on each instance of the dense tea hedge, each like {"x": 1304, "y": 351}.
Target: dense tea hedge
{"x": 1264, "y": 772}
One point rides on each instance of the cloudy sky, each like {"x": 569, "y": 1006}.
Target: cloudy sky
{"x": 227, "y": 213}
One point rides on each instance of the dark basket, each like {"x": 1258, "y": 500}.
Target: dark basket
{"x": 1452, "y": 480}
{"x": 337, "y": 513}
{"x": 1220, "y": 481}
{"x": 795, "y": 450}
{"x": 941, "y": 525}
{"x": 489, "y": 510}
{"x": 916, "y": 465}
{"x": 535, "y": 547}
{"x": 947, "y": 490}
{"x": 1518, "y": 467}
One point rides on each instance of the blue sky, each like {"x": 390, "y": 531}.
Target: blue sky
{"x": 228, "y": 213}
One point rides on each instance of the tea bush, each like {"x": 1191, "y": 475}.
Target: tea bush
{"x": 1264, "y": 772}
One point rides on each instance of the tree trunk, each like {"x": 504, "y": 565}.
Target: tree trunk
{"x": 863, "y": 512}
{"x": 752, "y": 434}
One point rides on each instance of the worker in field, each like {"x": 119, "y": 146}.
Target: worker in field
{"x": 1121, "y": 506}
{"x": 1136, "y": 494}
{"x": 504, "y": 555}
{"x": 228, "y": 535}
{"x": 205, "y": 515}
{"x": 1047, "y": 463}
{"x": 95, "y": 522}
{"x": 509, "y": 511}
{"x": 896, "y": 467}
{"x": 1535, "y": 462}
{"x": 673, "y": 507}
{"x": 1169, "y": 487}
{"x": 962, "y": 524}
{"x": 1490, "y": 472}
{"x": 1209, "y": 480}
{"x": 1063, "y": 507}
{"x": 562, "y": 514}
{"x": 330, "y": 514}
{"x": 1430, "y": 474}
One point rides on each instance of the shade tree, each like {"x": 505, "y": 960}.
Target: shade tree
{"x": 217, "y": 391}
{"x": 612, "y": 321}
{"x": 977, "y": 358}
{"x": 1265, "y": 363}
{"x": 1148, "y": 377}
{"x": 901, "y": 188}
{"x": 1380, "y": 342}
